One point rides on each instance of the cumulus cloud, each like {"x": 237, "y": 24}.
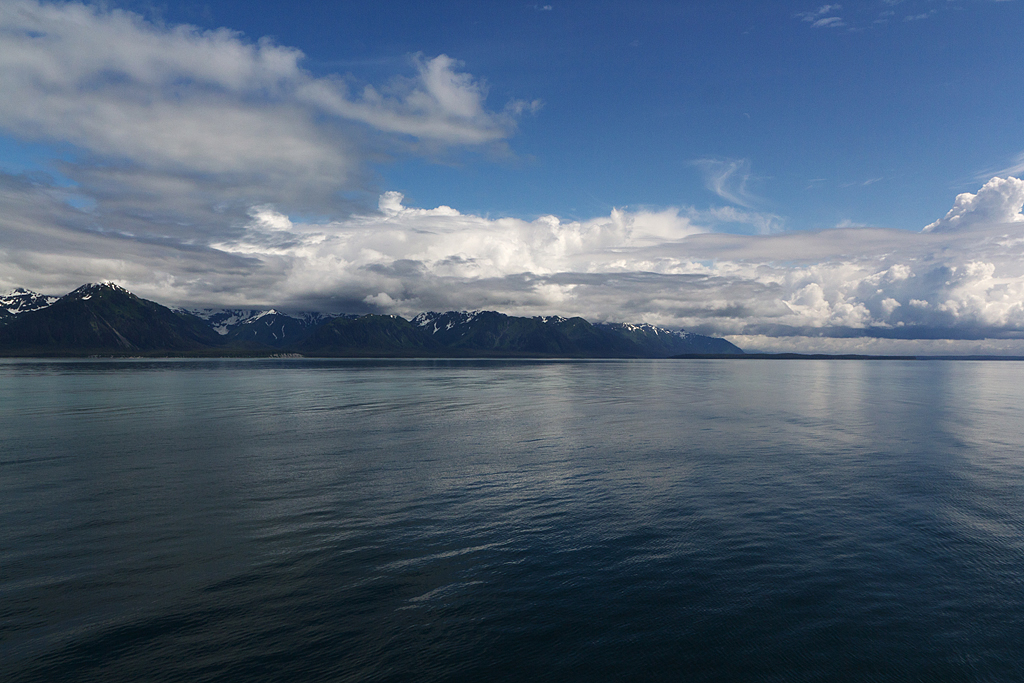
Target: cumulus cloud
{"x": 818, "y": 291}
{"x": 998, "y": 201}
{"x": 669, "y": 268}
{"x": 441, "y": 258}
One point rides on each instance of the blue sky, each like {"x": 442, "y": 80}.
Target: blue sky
{"x": 878, "y": 118}
{"x": 738, "y": 168}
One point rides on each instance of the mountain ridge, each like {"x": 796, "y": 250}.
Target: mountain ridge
{"x": 101, "y": 318}
{"x": 106, "y": 319}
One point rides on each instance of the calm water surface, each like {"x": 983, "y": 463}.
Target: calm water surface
{"x": 489, "y": 520}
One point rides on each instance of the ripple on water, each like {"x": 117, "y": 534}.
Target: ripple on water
{"x": 443, "y": 520}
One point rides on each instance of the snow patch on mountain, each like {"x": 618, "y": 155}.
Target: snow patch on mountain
{"x": 21, "y": 300}
{"x": 223, "y": 320}
{"x": 88, "y": 290}
{"x": 647, "y": 328}
{"x": 446, "y": 321}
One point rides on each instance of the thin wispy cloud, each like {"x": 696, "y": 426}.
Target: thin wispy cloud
{"x": 1014, "y": 169}
{"x": 828, "y": 21}
{"x": 847, "y": 223}
{"x": 863, "y": 183}
{"x": 823, "y": 17}
{"x": 863, "y": 16}
{"x": 763, "y": 223}
{"x": 728, "y": 178}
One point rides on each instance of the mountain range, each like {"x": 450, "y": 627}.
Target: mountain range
{"x": 107, "y": 320}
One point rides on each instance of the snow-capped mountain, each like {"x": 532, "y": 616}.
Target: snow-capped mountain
{"x": 273, "y": 328}
{"x": 103, "y": 318}
{"x": 20, "y": 300}
{"x": 641, "y": 328}
{"x": 106, "y": 318}
{"x": 91, "y": 289}
{"x": 313, "y": 318}
{"x": 434, "y": 322}
{"x": 494, "y": 333}
{"x": 659, "y": 341}
{"x": 224, "y": 320}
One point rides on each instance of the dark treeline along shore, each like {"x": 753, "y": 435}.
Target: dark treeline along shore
{"x": 814, "y": 356}
{"x": 107, "y": 320}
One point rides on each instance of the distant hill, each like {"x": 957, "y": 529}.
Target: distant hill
{"x": 104, "y": 319}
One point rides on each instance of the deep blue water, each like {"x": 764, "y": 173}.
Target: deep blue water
{"x": 490, "y": 520}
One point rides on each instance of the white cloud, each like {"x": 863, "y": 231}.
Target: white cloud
{"x": 998, "y": 201}
{"x": 812, "y": 291}
{"x": 440, "y": 103}
{"x": 1015, "y": 169}
{"x": 875, "y": 346}
{"x": 110, "y": 81}
{"x": 176, "y": 130}
{"x": 820, "y": 12}
{"x": 822, "y": 17}
{"x": 828, "y": 21}
{"x": 665, "y": 267}
{"x": 763, "y": 223}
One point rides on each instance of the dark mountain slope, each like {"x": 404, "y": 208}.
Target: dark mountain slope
{"x": 368, "y": 336}
{"x": 22, "y": 300}
{"x": 104, "y": 318}
{"x": 490, "y": 333}
{"x": 272, "y": 329}
{"x": 649, "y": 341}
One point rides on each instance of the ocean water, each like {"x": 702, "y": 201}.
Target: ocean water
{"x": 701, "y": 520}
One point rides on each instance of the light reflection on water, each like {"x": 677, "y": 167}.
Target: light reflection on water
{"x": 468, "y": 520}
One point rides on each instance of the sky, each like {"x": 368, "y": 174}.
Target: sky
{"x": 793, "y": 176}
